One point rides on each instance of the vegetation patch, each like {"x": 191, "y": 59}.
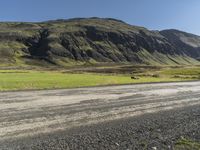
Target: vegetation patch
{"x": 186, "y": 144}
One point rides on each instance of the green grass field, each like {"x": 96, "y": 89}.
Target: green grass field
{"x": 52, "y": 80}
{"x": 29, "y": 79}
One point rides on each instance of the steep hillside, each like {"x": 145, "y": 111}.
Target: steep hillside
{"x": 189, "y": 44}
{"x": 93, "y": 40}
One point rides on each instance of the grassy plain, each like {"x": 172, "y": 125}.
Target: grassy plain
{"x": 37, "y": 79}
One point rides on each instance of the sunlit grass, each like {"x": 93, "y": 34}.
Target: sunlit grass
{"x": 30, "y": 79}
{"x": 23, "y": 80}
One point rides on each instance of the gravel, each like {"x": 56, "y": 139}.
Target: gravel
{"x": 150, "y": 131}
{"x": 143, "y": 116}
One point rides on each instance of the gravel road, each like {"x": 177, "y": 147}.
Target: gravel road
{"x": 142, "y": 116}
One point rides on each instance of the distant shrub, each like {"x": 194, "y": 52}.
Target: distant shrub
{"x": 135, "y": 78}
{"x": 156, "y": 75}
{"x": 177, "y": 76}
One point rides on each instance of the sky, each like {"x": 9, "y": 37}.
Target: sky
{"x": 152, "y": 14}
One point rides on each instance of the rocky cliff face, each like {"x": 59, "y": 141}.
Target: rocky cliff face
{"x": 94, "y": 40}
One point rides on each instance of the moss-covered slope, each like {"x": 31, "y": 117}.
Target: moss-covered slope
{"x": 93, "y": 40}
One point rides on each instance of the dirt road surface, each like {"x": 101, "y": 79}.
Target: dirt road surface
{"x": 142, "y": 116}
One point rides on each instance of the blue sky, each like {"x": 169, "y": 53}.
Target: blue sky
{"x": 153, "y": 14}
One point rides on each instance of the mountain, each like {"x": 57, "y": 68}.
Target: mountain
{"x": 94, "y": 40}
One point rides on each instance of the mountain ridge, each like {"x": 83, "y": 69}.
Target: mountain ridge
{"x": 94, "y": 40}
